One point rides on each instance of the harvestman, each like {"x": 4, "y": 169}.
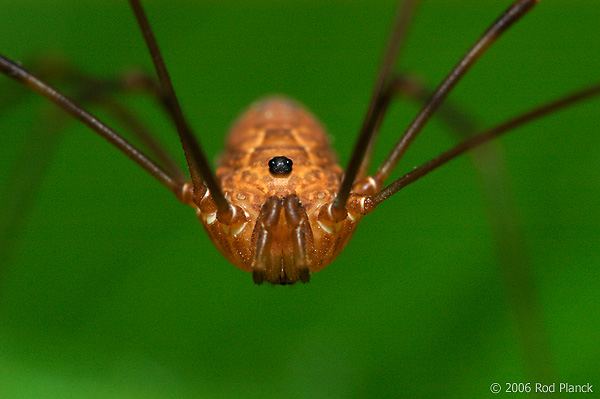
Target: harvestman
{"x": 279, "y": 206}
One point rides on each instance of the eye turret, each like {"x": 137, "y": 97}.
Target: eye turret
{"x": 280, "y": 166}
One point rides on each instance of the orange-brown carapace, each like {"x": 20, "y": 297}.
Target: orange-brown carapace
{"x": 280, "y": 171}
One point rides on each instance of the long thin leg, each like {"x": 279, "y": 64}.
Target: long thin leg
{"x": 513, "y": 259}
{"x": 56, "y": 70}
{"x": 413, "y": 88}
{"x": 510, "y": 16}
{"x": 409, "y": 86}
{"x": 16, "y": 72}
{"x": 100, "y": 91}
{"x": 373, "y": 116}
{"x": 24, "y": 181}
{"x": 129, "y": 120}
{"x": 200, "y": 169}
{"x": 478, "y": 140}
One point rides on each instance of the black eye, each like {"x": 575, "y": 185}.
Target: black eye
{"x": 280, "y": 166}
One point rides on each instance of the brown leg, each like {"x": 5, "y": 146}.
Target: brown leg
{"x": 200, "y": 171}
{"x": 409, "y": 86}
{"x": 90, "y": 90}
{"x": 515, "y": 12}
{"x": 25, "y": 178}
{"x": 373, "y": 116}
{"x": 16, "y": 72}
{"x": 514, "y": 264}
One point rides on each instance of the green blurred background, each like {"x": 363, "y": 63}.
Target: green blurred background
{"x": 114, "y": 290}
